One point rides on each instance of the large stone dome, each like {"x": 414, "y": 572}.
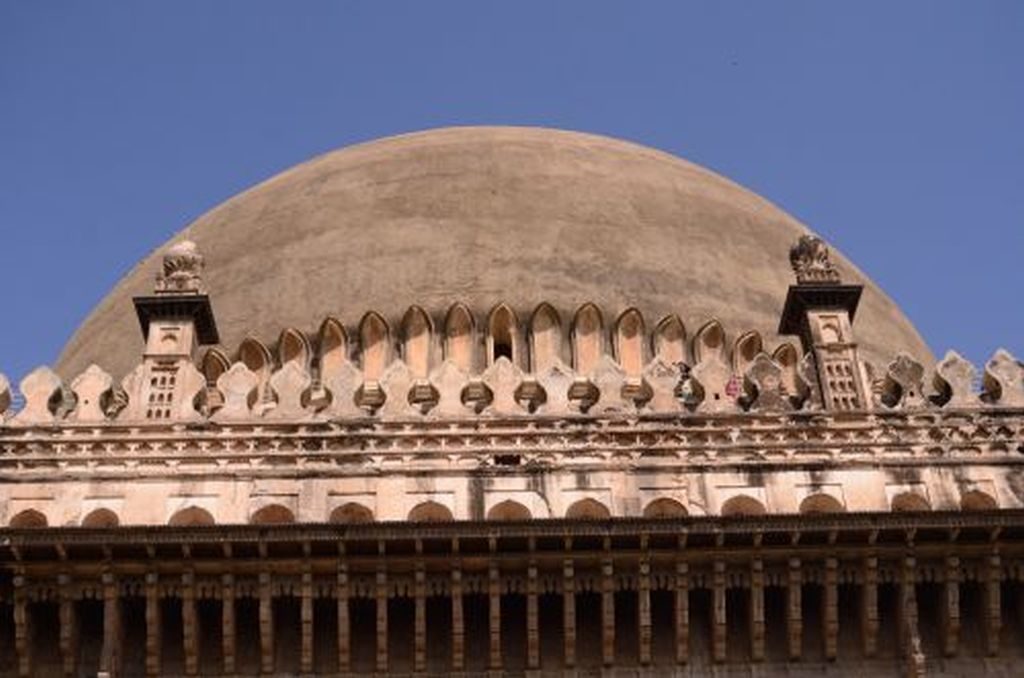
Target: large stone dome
{"x": 484, "y": 215}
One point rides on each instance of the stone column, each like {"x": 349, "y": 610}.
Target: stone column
{"x": 682, "y": 612}
{"x": 306, "y": 619}
{"x": 718, "y": 621}
{"x": 569, "y": 611}
{"x": 22, "y": 628}
{"x": 227, "y": 617}
{"x": 266, "y": 614}
{"x": 951, "y": 607}
{"x": 607, "y": 612}
{"x": 532, "y": 618}
{"x": 993, "y": 604}
{"x": 794, "y": 610}
{"x": 494, "y": 611}
{"x": 68, "y": 626}
{"x": 830, "y": 613}
{"x": 910, "y": 636}
{"x": 110, "y": 656}
{"x": 869, "y": 607}
{"x": 908, "y": 630}
{"x": 420, "y": 630}
{"x": 153, "y": 624}
{"x": 757, "y": 610}
{"x": 189, "y": 624}
{"x": 643, "y": 608}
{"x": 382, "y": 620}
{"x": 458, "y": 621}
{"x": 344, "y": 624}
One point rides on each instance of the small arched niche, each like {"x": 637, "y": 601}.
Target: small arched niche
{"x": 629, "y": 342}
{"x": 351, "y": 513}
{"x": 976, "y": 500}
{"x": 820, "y": 502}
{"x": 101, "y": 517}
{"x": 375, "y": 342}
{"x": 587, "y": 339}
{"x": 502, "y": 335}
{"x": 664, "y": 507}
{"x": 788, "y": 359}
{"x": 746, "y": 348}
{"x": 272, "y": 514}
{"x": 669, "y": 340}
{"x": 743, "y": 505}
{"x": 256, "y": 357}
{"x": 28, "y": 519}
{"x": 460, "y": 337}
{"x": 417, "y": 337}
{"x": 293, "y": 345}
{"x": 214, "y": 364}
{"x": 908, "y": 502}
{"x": 430, "y": 512}
{"x": 545, "y": 339}
{"x": 709, "y": 342}
{"x": 332, "y": 347}
{"x": 509, "y": 510}
{"x": 191, "y": 515}
{"x": 588, "y": 509}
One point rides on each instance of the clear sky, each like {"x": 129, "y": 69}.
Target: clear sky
{"x": 894, "y": 129}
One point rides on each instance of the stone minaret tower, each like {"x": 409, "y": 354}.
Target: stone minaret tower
{"x": 174, "y": 320}
{"x": 820, "y": 309}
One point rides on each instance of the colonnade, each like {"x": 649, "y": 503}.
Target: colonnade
{"x": 504, "y": 614}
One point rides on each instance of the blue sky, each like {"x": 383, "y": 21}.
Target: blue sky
{"x": 895, "y": 129}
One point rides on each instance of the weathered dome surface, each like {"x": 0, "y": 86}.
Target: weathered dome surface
{"x": 484, "y": 215}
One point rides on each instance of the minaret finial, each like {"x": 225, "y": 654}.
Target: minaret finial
{"x": 182, "y": 271}
{"x": 811, "y": 263}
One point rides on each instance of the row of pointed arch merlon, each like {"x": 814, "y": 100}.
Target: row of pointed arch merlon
{"x": 507, "y": 366}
